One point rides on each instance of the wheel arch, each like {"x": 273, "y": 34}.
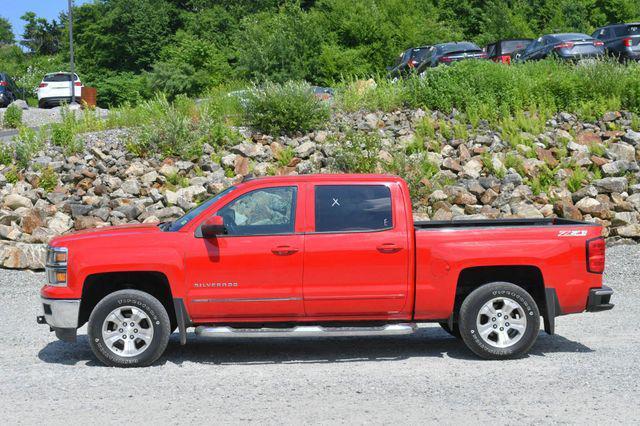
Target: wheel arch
{"x": 98, "y": 286}
{"x": 528, "y": 277}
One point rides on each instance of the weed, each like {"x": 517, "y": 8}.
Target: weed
{"x": 578, "y": 177}
{"x": 285, "y": 156}
{"x": 12, "y": 175}
{"x": 48, "y": 179}
{"x": 358, "y": 153}
{"x": 12, "y": 117}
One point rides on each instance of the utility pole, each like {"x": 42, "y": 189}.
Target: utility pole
{"x": 72, "y": 61}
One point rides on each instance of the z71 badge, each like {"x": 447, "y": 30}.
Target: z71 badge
{"x": 578, "y": 233}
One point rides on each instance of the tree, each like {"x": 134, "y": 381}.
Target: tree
{"x": 41, "y": 36}
{"x": 6, "y": 32}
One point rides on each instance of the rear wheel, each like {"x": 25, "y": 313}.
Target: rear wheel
{"x": 129, "y": 328}
{"x": 499, "y": 321}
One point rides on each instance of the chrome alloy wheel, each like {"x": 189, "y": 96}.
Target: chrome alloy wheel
{"x": 127, "y": 331}
{"x": 501, "y": 322}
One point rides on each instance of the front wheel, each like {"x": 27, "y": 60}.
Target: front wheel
{"x": 129, "y": 328}
{"x": 499, "y": 321}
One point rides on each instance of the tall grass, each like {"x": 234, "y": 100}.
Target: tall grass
{"x": 486, "y": 90}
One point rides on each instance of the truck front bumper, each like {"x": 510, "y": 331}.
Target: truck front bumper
{"x": 62, "y": 316}
{"x": 599, "y": 299}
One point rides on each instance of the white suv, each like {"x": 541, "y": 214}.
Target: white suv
{"x": 55, "y": 89}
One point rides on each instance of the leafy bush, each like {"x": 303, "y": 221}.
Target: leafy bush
{"x": 6, "y": 154}
{"x": 285, "y": 108}
{"x": 285, "y": 156}
{"x": 12, "y": 117}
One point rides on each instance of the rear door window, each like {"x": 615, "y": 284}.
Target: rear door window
{"x": 628, "y": 30}
{"x": 352, "y": 208}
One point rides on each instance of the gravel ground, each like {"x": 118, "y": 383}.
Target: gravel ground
{"x": 589, "y": 372}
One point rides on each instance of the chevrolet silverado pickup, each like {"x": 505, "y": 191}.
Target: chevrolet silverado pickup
{"x": 319, "y": 255}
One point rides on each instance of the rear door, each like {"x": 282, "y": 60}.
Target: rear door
{"x": 356, "y": 260}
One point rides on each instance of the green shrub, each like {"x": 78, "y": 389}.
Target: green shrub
{"x": 285, "y": 108}
{"x": 48, "y": 179}
{"x": 358, "y": 153}
{"x": 12, "y": 117}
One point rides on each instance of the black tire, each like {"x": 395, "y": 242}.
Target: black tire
{"x": 471, "y": 317}
{"x": 455, "y": 332}
{"x": 156, "y": 314}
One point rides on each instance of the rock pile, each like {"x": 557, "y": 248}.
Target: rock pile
{"x": 482, "y": 175}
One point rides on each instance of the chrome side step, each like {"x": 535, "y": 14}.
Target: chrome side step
{"x": 307, "y": 331}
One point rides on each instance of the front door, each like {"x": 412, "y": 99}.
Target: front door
{"x": 357, "y": 257}
{"x": 255, "y": 270}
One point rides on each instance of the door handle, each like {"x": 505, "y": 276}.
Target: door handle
{"x": 388, "y": 248}
{"x": 284, "y": 250}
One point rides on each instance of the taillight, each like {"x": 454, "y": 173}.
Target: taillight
{"x": 445, "y": 59}
{"x": 43, "y": 85}
{"x": 595, "y": 255}
{"x": 598, "y": 43}
{"x": 4, "y": 83}
{"x": 483, "y": 55}
{"x": 77, "y": 83}
{"x": 565, "y": 45}
{"x": 505, "y": 59}
{"x": 628, "y": 42}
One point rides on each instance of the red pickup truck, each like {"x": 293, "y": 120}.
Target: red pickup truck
{"x": 320, "y": 255}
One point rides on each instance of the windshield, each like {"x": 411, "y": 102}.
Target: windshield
{"x": 178, "y": 224}
{"x": 458, "y": 47}
{"x": 511, "y": 46}
{"x": 420, "y": 54}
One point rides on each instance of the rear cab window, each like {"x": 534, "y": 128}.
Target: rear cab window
{"x": 510, "y": 46}
{"x": 353, "y": 208}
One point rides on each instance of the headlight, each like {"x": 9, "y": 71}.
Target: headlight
{"x": 56, "y": 267}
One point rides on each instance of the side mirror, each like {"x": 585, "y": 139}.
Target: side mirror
{"x": 213, "y": 226}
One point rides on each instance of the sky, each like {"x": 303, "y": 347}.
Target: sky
{"x": 14, "y": 9}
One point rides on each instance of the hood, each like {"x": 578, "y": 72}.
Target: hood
{"x": 107, "y": 231}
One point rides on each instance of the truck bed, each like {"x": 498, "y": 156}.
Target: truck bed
{"x": 489, "y": 223}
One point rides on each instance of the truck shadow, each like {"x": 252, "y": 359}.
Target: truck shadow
{"x": 429, "y": 342}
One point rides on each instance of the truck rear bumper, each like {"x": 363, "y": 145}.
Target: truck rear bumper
{"x": 599, "y": 299}
{"x": 61, "y": 315}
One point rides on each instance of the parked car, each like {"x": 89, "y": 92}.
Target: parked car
{"x": 502, "y": 50}
{"x": 9, "y": 91}
{"x": 319, "y": 255}
{"x": 55, "y": 89}
{"x": 568, "y": 46}
{"x": 446, "y": 53}
{"x": 621, "y": 40}
{"x": 323, "y": 93}
{"x": 408, "y": 61}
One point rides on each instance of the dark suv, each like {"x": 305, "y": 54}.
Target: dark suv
{"x": 567, "y": 46}
{"x": 621, "y": 40}
{"x": 446, "y": 53}
{"x": 408, "y": 61}
{"x": 9, "y": 92}
{"x": 502, "y": 50}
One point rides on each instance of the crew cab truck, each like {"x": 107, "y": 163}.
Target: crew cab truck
{"x": 320, "y": 255}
